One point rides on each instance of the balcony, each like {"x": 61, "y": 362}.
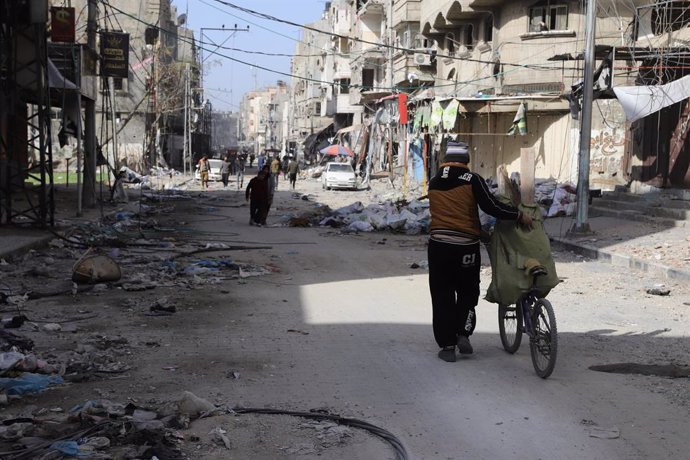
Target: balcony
{"x": 406, "y": 11}
{"x": 369, "y": 7}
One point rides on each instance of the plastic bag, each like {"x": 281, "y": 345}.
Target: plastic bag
{"x": 509, "y": 248}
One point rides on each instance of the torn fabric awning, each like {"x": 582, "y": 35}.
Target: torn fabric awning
{"x": 641, "y": 101}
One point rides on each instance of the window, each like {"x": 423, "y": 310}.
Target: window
{"x": 468, "y": 36}
{"x": 489, "y": 29}
{"x": 545, "y": 17}
{"x": 450, "y": 43}
{"x": 317, "y": 108}
{"x": 344, "y": 87}
{"x": 367, "y": 79}
{"x": 117, "y": 84}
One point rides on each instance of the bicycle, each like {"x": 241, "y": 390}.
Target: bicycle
{"x": 533, "y": 315}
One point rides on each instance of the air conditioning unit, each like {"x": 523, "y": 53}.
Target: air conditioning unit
{"x": 422, "y": 59}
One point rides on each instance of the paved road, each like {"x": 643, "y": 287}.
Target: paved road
{"x": 345, "y": 324}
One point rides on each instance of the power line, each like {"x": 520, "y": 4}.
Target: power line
{"x": 355, "y": 39}
{"x": 314, "y": 80}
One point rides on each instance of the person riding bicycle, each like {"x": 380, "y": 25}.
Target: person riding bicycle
{"x": 453, "y": 253}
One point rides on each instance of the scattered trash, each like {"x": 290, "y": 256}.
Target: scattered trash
{"x": 28, "y": 383}
{"x": 220, "y": 437}
{"x": 52, "y": 327}
{"x": 194, "y": 406}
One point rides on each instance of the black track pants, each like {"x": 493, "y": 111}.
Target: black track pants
{"x": 454, "y": 286}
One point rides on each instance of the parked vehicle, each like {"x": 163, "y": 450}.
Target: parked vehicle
{"x": 338, "y": 175}
{"x": 214, "y": 174}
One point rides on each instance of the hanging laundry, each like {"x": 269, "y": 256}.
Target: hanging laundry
{"x": 450, "y": 114}
{"x": 436, "y": 114}
{"x": 426, "y": 116}
{"x": 519, "y": 125}
{"x": 640, "y": 101}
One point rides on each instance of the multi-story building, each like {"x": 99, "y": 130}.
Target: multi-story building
{"x": 495, "y": 55}
{"x": 312, "y": 94}
{"x": 262, "y": 114}
{"x": 148, "y": 104}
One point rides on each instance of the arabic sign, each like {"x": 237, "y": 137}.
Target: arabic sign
{"x": 62, "y": 24}
{"x": 114, "y": 54}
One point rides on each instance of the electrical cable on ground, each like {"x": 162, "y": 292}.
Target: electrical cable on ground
{"x": 399, "y": 448}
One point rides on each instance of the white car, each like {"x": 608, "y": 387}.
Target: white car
{"x": 214, "y": 174}
{"x": 338, "y": 175}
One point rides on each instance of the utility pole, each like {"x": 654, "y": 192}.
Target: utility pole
{"x": 89, "y": 190}
{"x": 390, "y": 45}
{"x": 581, "y": 224}
{"x": 186, "y": 111}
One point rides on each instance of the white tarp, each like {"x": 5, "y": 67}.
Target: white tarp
{"x": 640, "y": 101}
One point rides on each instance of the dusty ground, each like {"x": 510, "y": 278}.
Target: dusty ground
{"x": 341, "y": 323}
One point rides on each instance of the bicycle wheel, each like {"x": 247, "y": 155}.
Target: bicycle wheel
{"x": 544, "y": 344}
{"x": 510, "y": 326}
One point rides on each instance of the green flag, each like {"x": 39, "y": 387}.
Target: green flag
{"x": 519, "y": 125}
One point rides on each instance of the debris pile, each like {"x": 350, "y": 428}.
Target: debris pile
{"x": 102, "y": 429}
{"x": 411, "y": 218}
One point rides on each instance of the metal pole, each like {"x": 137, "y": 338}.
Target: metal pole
{"x": 184, "y": 136}
{"x": 581, "y": 224}
{"x": 79, "y": 162}
{"x": 89, "y": 193}
{"x": 390, "y": 46}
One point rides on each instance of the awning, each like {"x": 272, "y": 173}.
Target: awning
{"x": 314, "y": 140}
{"x": 57, "y": 80}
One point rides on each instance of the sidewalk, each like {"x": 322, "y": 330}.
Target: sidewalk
{"x": 649, "y": 247}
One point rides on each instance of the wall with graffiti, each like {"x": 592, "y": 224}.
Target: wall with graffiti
{"x": 607, "y": 145}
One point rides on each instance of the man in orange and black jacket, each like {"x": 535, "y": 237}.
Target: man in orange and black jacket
{"x": 454, "y": 258}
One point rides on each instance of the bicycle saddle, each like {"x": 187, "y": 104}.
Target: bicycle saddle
{"x": 534, "y": 268}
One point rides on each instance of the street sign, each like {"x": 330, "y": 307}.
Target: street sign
{"x": 62, "y": 24}
{"x": 114, "y": 54}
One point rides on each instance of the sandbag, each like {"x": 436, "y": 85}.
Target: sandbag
{"x": 509, "y": 248}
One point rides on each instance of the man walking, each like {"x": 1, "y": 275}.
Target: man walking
{"x": 257, "y": 195}
{"x": 453, "y": 254}
{"x": 275, "y": 172}
{"x": 240, "y": 171}
{"x": 204, "y": 170}
{"x": 292, "y": 171}
{"x": 225, "y": 170}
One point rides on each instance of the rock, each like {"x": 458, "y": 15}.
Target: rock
{"x": 52, "y": 327}
{"x": 659, "y": 289}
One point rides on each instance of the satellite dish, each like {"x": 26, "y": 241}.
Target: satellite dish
{"x": 181, "y": 19}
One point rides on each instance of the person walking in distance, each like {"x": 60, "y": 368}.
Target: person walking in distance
{"x": 251, "y": 160}
{"x": 292, "y": 171}
{"x": 275, "y": 172}
{"x": 453, "y": 253}
{"x": 241, "y": 160}
{"x": 270, "y": 193}
{"x": 204, "y": 170}
{"x": 257, "y": 195}
{"x": 225, "y": 170}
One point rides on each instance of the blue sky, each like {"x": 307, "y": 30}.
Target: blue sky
{"x": 227, "y": 81}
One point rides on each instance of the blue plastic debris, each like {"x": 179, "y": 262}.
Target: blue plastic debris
{"x": 68, "y": 448}
{"x": 29, "y": 383}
